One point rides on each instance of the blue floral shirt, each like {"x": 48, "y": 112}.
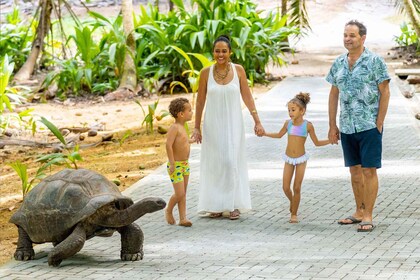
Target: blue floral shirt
{"x": 358, "y": 88}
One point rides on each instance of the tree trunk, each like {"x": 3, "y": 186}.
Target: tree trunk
{"x": 413, "y": 15}
{"x": 128, "y": 82}
{"x": 283, "y": 7}
{"x": 42, "y": 29}
{"x": 283, "y": 13}
{"x": 171, "y": 5}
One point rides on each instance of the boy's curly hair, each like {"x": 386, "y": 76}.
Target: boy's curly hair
{"x": 177, "y": 105}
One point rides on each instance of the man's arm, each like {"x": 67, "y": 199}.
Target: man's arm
{"x": 333, "y": 133}
{"x": 383, "y": 104}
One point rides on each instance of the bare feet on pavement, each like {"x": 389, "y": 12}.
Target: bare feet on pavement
{"x": 185, "y": 223}
{"x": 169, "y": 217}
{"x": 293, "y": 219}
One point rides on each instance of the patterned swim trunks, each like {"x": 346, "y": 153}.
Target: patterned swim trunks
{"x": 182, "y": 168}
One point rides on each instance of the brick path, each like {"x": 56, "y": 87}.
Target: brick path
{"x": 262, "y": 244}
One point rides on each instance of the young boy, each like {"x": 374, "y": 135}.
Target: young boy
{"x": 178, "y": 150}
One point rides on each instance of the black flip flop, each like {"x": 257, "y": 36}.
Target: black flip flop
{"x": 352, "y": 219}
{"x": 362, "y": 224}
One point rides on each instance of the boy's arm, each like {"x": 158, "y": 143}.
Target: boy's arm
{"x": 170, "y": 139}
{"x": 314, "y": 138}
{"x": 279, "y": 134}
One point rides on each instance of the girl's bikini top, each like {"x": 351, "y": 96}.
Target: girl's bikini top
{"x": 301, "y": 130}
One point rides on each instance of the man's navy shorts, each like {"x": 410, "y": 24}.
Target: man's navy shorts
{"x": 364, "y": 148}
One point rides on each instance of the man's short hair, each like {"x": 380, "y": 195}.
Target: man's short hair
{"x": 361, "y": 26}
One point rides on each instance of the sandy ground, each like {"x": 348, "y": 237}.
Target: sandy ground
{"x": 141, "y": 153}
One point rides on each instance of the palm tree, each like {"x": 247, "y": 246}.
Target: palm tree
{"x": 296, "y": 9}
{"x": 412, "y": 8}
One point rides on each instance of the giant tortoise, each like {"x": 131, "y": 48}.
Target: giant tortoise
{"x": 71, "y": 206}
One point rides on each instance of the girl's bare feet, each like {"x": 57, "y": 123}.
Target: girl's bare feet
{"x": 169, "y": 217}
{"x": 185, "y": 223}
{"x": 293, "y": 219}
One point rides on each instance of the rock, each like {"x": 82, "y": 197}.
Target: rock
{"x": 418, "y": 116}
{"x": 8, "y": 133}
{"x": 65, "y": 131}
{"x": 81, "y": 137}
{"x": 92, "y": 133}
{"x": 413, "y": 79}
{"x": 57, "y": 149}
{"x": 107, "y": 137}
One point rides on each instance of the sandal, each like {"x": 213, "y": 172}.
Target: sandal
{"x": 215, "y": 215}
{"x": 234, "y": 215}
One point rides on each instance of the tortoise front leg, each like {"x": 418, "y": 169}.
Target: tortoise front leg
{"x": 68, "y": 247}
{"x": 131, "y": 242}
{"x": 24, "y": 250}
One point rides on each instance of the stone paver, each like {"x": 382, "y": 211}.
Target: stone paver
{"x": 262, "y": 244}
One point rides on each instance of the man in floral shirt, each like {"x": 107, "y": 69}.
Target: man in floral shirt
{"x": 359, "y": 79}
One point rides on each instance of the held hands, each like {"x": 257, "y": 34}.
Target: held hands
{"x": 333, "y": 135}
{"x": 196, "y": 136}
{"x": 259, "y": 130}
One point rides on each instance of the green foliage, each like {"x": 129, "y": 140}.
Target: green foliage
{"x": 164, "y": 39}
{"x": 151, "y": 116}
{"x": 22, "y": 171}
{"x": 6, "y": 69}
{"x": 97, "y": 65}
{"x": 171, "y": 46}
{"x": 408, "y": 36}
{"x": 70, "y": 158}
{"x": 121, "y": 140}
{"x": 16, "y": 37}
{"x": 11, "y": 96}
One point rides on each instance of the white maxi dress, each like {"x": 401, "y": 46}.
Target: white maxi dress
{"x": 224, "y": 184}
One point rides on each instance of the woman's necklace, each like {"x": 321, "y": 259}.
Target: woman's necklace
{"x": 221, "y": 76}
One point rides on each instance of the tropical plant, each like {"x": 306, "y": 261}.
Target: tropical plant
{"x": 70, "y": 158}
{"x": 407, "y": 37}
{"x": 16, "y": 37}
{"x": 125, "y": 136}
{"x": 151, "y": 116}
{"x": 256, "y": 40}
{"x": 412, "y": 9}
{"x": 22, "y": 171}
{"x": 96, "y": 66}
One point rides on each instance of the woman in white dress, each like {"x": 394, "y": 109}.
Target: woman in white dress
{"x": 224, "y": 185}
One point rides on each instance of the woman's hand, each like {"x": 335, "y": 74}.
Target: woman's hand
{"x": 196, "y": 136}
{"x": 259, "y": 129}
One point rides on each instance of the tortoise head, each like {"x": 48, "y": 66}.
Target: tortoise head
{"x": 121, "y": 216}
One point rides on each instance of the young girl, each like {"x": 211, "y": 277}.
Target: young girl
{"x": 295, "y": 157}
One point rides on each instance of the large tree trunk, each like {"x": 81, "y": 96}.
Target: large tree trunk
{"x": 128, "y": 82}
{"x": 27, "y": 68}
{"x": 413, "y": 15}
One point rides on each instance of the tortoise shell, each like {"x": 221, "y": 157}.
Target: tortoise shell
{"x": 53, "y": 207}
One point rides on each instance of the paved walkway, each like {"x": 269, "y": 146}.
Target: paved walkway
{"x": 262, "y": 244}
